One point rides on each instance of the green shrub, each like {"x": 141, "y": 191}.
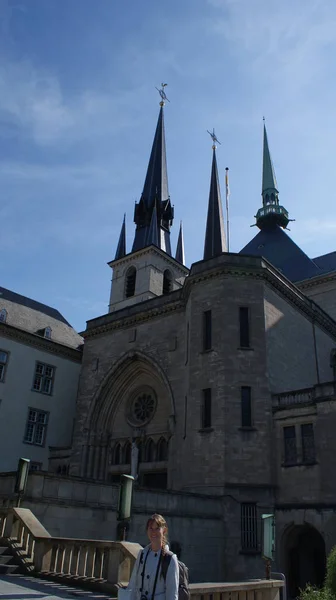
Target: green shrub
{"x": 313, "y": 593}
{"x": 330, "y": 582}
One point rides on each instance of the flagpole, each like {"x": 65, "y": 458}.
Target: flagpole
{"x": 227, "y": 194}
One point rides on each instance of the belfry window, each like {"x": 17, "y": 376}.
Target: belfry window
{"x": 167, "y": 282}
{"x": 130, "y": 282}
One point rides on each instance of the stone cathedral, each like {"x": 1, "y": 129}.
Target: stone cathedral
{"x": 222, "y": 377}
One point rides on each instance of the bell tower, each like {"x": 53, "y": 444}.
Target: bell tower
{"x": 149, "y": 270}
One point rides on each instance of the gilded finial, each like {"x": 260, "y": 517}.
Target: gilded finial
{"x": 214, "y": 138}
{"x": 163, "y": 94}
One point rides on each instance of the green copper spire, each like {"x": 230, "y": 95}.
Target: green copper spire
{"x": 271, "y": 214}
{"x": 269, "y": 183}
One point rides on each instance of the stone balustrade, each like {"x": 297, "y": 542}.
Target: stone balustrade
{"x": 317, "y": 393}
{"x": 102, "y": 565}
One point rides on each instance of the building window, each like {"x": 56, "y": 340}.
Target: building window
{"x": 167, "y": 282}
{"x": 249, "y": 527}
{"x": 36, "y": 427}
{"x": 117, "y": 455}
{"x": 206, "y": 409}
{"x": 290, "y": 452}
{"x": 246, "y": 407}
{"x": 128, "y": 454}
{"x": 130, "y": 282}
{"x": 35, "y": 466}
{"x": 244, "y": 327}
{"x": 207, "y": 333}
{"x": 308, "y": 443}
{"x": 3, "y": 315}
{"x": 150, "y": 451}
{"x": 3, "y": 364}
{"x": 43, "y": 378}
{"x": 47, "y": 333}
{"x": 162, "y": 450}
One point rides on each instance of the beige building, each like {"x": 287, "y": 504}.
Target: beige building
{"x": 40, "y": 356}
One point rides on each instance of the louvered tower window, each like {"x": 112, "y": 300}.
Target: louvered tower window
{"x": 167, "y": 282}
{"x": 130, "y": 282}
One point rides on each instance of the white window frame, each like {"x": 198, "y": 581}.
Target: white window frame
{"x": 44, "y": 376}
{"x": 47, "y": 333}
{"x": 36, "y": 427}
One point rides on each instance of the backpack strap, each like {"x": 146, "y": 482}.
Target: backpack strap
{"x": 166, "y": 558}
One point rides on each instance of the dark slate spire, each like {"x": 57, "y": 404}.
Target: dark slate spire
{"x": 180, "y": 247}
{"x": 272, "y": 212}
{"x": 155, "y": 192}
{"x": 121, "y": 248}
{"x": 156, "y": 182}
{"x": 153, "y": 231}
{"x": 215, "y": 242}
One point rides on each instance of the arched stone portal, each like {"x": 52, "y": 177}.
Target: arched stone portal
{"x": 305, "y": 558}
{"x": 133, "y": 401}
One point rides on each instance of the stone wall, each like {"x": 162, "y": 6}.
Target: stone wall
{"x": 323, "y": 293}
{"x": 68, "y": 507}
{"x": 291, "y": 357}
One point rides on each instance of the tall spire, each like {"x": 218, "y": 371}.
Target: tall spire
{"x": 180, "y": 247}
{"x": 272, "y": 213}
{"x": 215, "y": 242}
{"x": 156, "y": 182}
{"x": 269, "y": 183}
{"x": 121, "y": 248}
{"x": 155, "y": 191}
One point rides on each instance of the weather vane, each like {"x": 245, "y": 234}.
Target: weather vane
{"x": 214, "y": 138}
{"x": 163, "y": 93}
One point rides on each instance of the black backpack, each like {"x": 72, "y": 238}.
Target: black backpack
{"x": 183, "y": 591}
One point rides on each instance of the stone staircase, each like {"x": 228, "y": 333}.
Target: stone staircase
{"x": 8, "y": 563}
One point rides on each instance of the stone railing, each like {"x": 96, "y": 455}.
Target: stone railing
{"x": 101, "y": 565}
{"x": 262, "y": 589}
{"x": 321, "y": 391}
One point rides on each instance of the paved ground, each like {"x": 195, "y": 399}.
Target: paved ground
{"x": 22, "y": 587}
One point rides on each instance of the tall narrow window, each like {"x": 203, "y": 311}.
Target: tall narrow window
{"x": 162, "y": 450}
{"x": 206, "y": 409}
{"x": 3, "y": 364}
{"x": 128, "y": 453}
{"x": 290, "y": 452}
{"x": 246, "y": 407}
{"x": 167, "y": 282}
{"x": 308, "y": 443}
{"x": 207, "y": 330}
{"x": 36, "y": 427}
{"x": 244, "y": 325}
{"x": 249, "y": 527}
{"x": 3, "y": 315}
{"x": 130, "y": 282}
{"x": 43, "y": 378}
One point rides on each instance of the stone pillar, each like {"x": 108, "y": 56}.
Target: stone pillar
{"x": 90, "y": 462}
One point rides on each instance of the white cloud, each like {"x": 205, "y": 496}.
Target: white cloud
{"x": 280, "y": 41}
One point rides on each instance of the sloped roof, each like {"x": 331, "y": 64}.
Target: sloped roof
{"x": 326, "y": 262}
{"x": 280, "y": 250}
{"x": 32, "y": 316}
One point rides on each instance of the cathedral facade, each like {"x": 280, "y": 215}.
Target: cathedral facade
{"x": 218, "y": 380}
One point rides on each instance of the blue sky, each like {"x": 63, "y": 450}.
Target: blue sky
{"x": 78, "y": 110}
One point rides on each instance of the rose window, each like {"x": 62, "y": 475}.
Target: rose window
{"x": 142, "y": 407}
